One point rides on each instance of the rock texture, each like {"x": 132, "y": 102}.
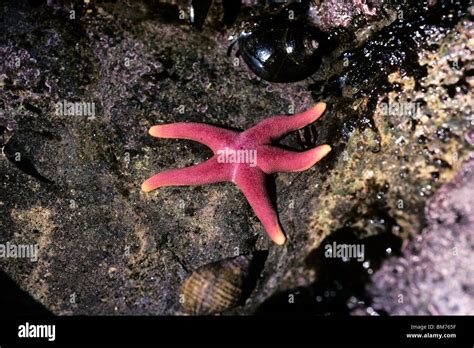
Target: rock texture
{"x": 71, "y": 184}
{"x": 435, "y": 275}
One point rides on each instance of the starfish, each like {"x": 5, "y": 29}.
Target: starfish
{"x": 244, "y": 158}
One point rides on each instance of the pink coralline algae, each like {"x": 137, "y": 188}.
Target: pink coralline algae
{"x": 244, "y": 158}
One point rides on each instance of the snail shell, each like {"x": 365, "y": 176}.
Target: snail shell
{"x": 284, "y": 46}
{"x": 286, "y": 54}
{"x": 222, "y": 285}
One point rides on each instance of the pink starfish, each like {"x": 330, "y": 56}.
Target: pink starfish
{"x": 243, "y": 158}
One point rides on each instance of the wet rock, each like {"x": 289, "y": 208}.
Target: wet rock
{"x": 435, "y": 275}
{"x": 107, "y": 248}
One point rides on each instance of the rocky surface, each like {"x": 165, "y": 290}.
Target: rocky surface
{"x": 435, "y": 275}
{"x": 107, "y": 248}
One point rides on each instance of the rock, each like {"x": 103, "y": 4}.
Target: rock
{"x": 435, "y": 275}
{"x": 136, "y": 64}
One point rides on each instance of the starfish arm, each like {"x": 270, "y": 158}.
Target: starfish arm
{"x": 272, "y": 159}
{"x": 211, "y": 136}
{"x": 252, "y": 184}
{"x": 208, "y": 172}
{"x": 275, "y": 127}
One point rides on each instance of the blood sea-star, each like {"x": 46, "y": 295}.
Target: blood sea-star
{"x": 244, "y": 158}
